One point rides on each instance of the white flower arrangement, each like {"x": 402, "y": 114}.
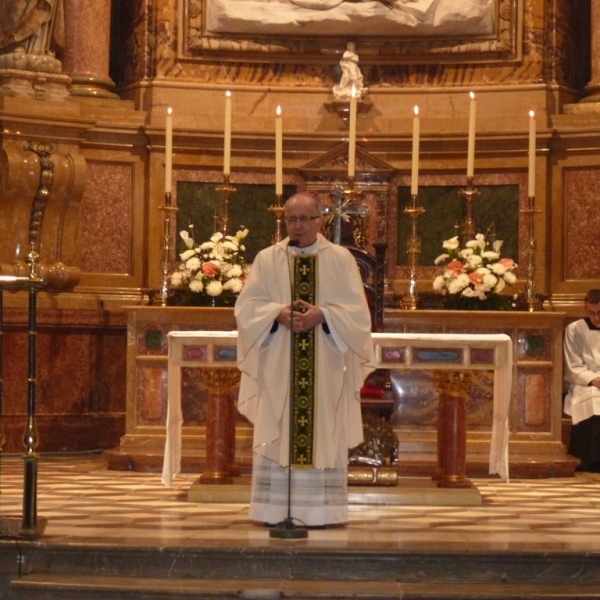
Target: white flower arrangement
{"x": 474, "y": 271}
{"x": 212, "y": 269}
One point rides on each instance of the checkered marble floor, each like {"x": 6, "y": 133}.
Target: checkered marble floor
{"x": 83, "y": 501}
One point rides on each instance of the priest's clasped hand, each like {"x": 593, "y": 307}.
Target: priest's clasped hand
{"x": 306, "y": 316}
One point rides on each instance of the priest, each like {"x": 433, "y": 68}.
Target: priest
{"x": 323, "y": 336}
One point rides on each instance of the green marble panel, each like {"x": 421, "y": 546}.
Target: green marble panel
{"x": 155, "y": 339}
{"x": 496, "y": 207}
{"x": 199, "y": 202}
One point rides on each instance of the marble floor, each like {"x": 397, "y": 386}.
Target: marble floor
{"x": 82, "y": 501}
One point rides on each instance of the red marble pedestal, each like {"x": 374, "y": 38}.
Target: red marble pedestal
{"x": 220, "y": 424}
{"x": 452, "y": 429}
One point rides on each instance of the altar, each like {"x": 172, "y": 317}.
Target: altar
{"x": 451, "y": 356}
{"x": 534, "y": 419}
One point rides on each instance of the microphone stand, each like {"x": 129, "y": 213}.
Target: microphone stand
{"x": 287, "y": 529}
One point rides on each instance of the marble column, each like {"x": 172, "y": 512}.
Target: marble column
{"x": 87, "y": 52}
{"x": 593, "y": 87}
{"x": 220, "y": 424}
{"x": 452, "y": 388}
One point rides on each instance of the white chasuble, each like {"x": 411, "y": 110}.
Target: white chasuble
{"x": 343, "y": 354}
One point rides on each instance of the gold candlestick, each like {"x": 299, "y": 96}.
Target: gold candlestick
{"x": 468, "y": 228}
{"x": 163, "y": 294}
{"x": 225, "y": 190}
{"x": 533, "y": 302}
{"x": 413, "y": 249}
{"x": 277, "y": 210}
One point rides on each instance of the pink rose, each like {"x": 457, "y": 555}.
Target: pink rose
{"x": 507, "y": 263}
{"x": 475, "y": 278}
{"x": 456, "y": 267}
{"x": 210, "y": 269}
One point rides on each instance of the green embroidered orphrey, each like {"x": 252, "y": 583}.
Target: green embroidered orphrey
{"x": 303, "y": 391}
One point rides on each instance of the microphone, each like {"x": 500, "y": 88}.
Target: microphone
{"x": 287, "y": 529}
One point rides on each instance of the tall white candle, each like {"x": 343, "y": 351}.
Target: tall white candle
{"x": 278, "y": 153}
{"x": 168, "y": 151}
{"x": 227, "y": 135}
{"x": 471, "y": 148}
{"x": 352, "y": 136}
{"x": 532, "y": 143}
{"x": 414, "y": 179}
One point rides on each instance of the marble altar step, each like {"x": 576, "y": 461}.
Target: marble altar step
{"x": 414, "y": 464}
{"x": 408, "y": 491}
{"x": 291, "y": 570}
{"x": 72, "y": 587}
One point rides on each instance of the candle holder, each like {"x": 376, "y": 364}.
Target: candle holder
{"x": 161, "y": 298}
{"x": 469, "y": 193}
{"x": 531, "y": 298}
{"x": 413, "y": 249}
{"x": 277, "y": 210}
{"x": 225, "y": 190}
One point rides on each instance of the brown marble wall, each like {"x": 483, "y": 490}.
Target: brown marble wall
{"x": 81, "y": 374}
{"x": 106, "y": 218}
{"x": 582, "y": 223}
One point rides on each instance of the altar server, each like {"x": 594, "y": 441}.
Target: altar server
{"x": 582, "y": 375}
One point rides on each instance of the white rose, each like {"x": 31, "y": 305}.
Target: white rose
{"x": 214, "y": 288}
{"x": 187, "y": 254}
{"x": 235, "y": 271}
{"x": 490, "y": 281}
{"x": 438, "y": 283}
{"x": 489, "y": 255}
{"x": 509, "y": 277}
{"x": 177, "y": 278}
{"x": 474, "y": 261}
{"x": 193, "y": 264}
{"x": 235, "y": 285}
{"x": 196, "y": 286}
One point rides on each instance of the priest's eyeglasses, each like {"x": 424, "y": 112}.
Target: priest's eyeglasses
{"x": 303, "y": 220}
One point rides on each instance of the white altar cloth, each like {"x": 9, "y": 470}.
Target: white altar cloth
{"x": 400, "y": 351}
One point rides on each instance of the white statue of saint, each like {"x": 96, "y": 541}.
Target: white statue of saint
{"x": 31, "y": 25}
{"x": 351, "y": 76}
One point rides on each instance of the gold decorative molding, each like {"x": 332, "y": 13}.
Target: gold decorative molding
{"x": 219, "y": 380}
{"x": 199, "y": 44}
{"x": 452, "y": 383}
